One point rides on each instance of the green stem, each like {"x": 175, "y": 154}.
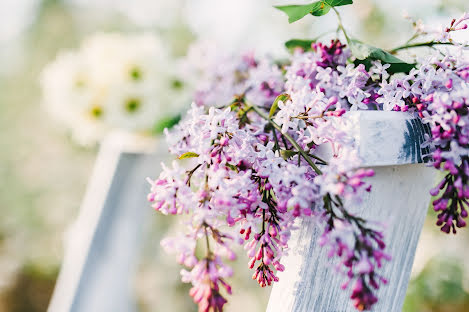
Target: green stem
{"x": 277, "y": 146}
{"x": 318, "y": 158}
{"x": 190, "y": 173}
{"x": 289, "y": 138}
{"x": 341, "y": 26}
{"x": 419, "y": 45}
{"x": 415, "y": 36}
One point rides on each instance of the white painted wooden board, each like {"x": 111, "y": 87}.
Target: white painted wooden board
{"x": 103, "y": 245}
{"x": 386, "y": 138}
{"x": 400, "y": 198}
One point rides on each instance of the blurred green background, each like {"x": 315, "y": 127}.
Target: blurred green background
{"x": 43, "y": 174}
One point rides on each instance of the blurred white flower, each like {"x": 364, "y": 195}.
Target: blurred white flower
{"x": 113, "y": 81}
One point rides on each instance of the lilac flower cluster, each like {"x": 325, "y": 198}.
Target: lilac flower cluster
{"x": 447, "y": 113}
{"x": 321, "y": 88}
{"x": 237, "y": 180}
{"x": 360, "y": 257}
{"x": 266, "y": 144}
{"x": 438, "y": 91}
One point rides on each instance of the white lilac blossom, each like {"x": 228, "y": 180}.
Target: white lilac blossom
{"x": 438, "y": 91}
{"x": 112, "y": 81}
{"x": 252, "y": 143}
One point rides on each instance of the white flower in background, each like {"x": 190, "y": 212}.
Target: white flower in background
{"x": 113, "y": 81}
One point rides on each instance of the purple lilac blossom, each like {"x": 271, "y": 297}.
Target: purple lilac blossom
{"x": 251, "y": 177}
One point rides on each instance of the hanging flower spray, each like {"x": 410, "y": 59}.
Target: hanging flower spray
{"x": 251, "y": 138}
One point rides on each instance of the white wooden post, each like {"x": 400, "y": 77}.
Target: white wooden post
{"x": 102, "y": 246}
{"x": 389, "y": 142}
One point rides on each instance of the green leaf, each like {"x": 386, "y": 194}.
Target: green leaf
{"x": 282, "y": 97}
{"x": 318, "y": 8}
{"x": 188, "y": 155}
{"x": 296, "y": 12}
{"x": 366, "y": 53}
{"x": 287, "y": 154}
{"x": 164, "y": 123}
{"x": 334, "y": 3}
{"x": 363, "y": 51}
{"x": 305, "y": 44}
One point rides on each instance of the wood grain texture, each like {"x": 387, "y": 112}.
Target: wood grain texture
{"x": 390, "y": 143}
{"x": 386, "y": 138}
{"x": 310, "y": 283}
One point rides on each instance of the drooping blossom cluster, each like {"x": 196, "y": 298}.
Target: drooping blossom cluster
{"x": 113, "y": 81}
{"x": 265, "y": 144}
{"x": 321, "y": 88}
{"x": 238, "y": 180}
{"x": 438, "y": 91}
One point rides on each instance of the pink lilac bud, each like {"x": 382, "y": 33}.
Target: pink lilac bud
{"x": 460, "y": 223}
{"x": 449, "y": 84}
{"x": 429, "y": 98}
{"x": 279, "y": 267}
{"x": 463, "y": 213}
{"x": 446, "y": 228}
{"x": 263, "y": 138}
{"x": 151, "y": 197}
{"x": 273, "y": 230}
{"x": 464, "y": 74}
{"x": 333, "y": 100}
{"x": 251, "y": 263}
{"x": 230, "y": 220}
{"x": 434, "y": 191}
{"x": 224, "y": 141}
{"x": 336, "y": 113}
{"x": 464, "y": 26}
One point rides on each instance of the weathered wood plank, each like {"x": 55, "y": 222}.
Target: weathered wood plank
{"x": 389, "y": 138}
{"x": 102, "y": 246}
{"x": 310, "y": 283}
{"x": 388, "y": 142}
